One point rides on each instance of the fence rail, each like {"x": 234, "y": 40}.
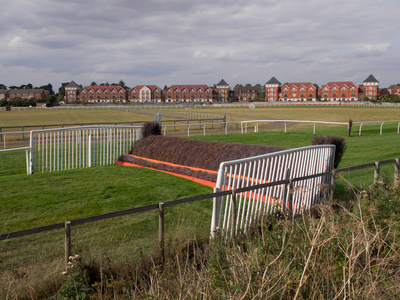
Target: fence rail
{"x": 75, "y": 147}
{"x": 160, "y": 206}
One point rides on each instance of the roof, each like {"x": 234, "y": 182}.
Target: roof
{"x": 246, "y": 89}
{"x": 103, "y": 87}
{"x": 297, "y": 84}
{"x": 222, "y": 83}
{"x": 273, "y": 80}
{"x": 338, "y": 84}
{"x": 26, "y": 91}
{"x": 371, "y": 78}
{"x": 72, "y": 84}
{"x": 151, "y": 87}
{"x": 189, "y": 86}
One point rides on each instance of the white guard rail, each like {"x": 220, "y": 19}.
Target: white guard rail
{"x": 273, "y": 167}
{"x": 79, "y": 147}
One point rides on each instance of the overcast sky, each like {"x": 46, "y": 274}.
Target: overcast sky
{"x": 167, "y": 42}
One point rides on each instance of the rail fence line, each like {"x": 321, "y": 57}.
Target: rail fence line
{"x": 287, "y": 182}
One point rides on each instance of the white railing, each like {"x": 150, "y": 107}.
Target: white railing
{"x": 378, "y": 122}
{"x": 269, "y": 168}
{"x": 243, "y": 124}
{"x": 79, "y": 147}
{"x": 19, "y": 149}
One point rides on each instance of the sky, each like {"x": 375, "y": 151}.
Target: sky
{"x": 166, "y": 42}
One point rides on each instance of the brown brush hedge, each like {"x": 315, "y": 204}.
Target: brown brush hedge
{"x": 193, "y": 153}
{"x": 337, "y": 140}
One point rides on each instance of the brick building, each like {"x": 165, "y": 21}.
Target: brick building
{"x": 370, "y": 88}
{"x": 145, "y": 93}
{"x": 103, "y": 94}
{"x": 72, "y": 92}
{"x": 298, "y": 91}
{"x": 272, "y": 89}
{"x": 339, "y": 91}
{"x": 221, "y": 91}
{"x": 4, "y": 94}
{"x": 246, "y": 93}
{"x": 29, "y": 93}
{"x": 188, "y": 93}
{"x": 394, "y": 89}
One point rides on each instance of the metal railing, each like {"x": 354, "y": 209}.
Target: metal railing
{"x": 76, "y": 147}
{"x": 300, "y": 163}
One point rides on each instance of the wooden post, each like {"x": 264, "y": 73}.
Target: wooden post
{"x": 376, "y": 173}
{"x": 285, "y": 205}
{"x": 67, "y": 254}
{"x": 290, "y": 196}
{"x": 161, "y": 228}
{"x": 396, "y": 172}
{"x": 233, "y": 212}
{"x": 333, "y": 182}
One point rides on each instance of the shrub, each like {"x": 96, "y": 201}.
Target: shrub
{"x": 151, "y": 128}
{"x": 337, "y": 140}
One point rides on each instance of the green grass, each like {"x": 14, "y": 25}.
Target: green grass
{"x": 43, "y": 199}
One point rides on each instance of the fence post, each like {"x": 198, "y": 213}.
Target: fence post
{"x": 233, "y": 212}
{"x": 376, "y": 172}
{"x": 396, "y": 172}
{"x": 67, "y": 254}
{"x": 161, "y": 228}
{"x": 333, "y": 182}
{"x": 290, "y": 196}
{"x": 89, "y": 149}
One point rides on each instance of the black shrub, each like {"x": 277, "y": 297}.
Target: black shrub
{"x": 151, "y": 128}
{"x": 337, "y": 140}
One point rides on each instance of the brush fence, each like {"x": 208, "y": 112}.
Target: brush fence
{"x": 79, "y": 147}
{"x": 289, "y": 166}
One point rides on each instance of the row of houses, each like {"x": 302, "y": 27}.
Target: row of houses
{"x": 145, "y": 93}
{"x": 24, "y": 94}
{"x": 332, "y": 91}
{"x": 221, "y": 92}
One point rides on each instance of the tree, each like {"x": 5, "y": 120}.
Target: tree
{"x": 93, "y": 83}
{"x": 2, "y": 87}
{"x": 48, "y": 88}
{"x": 61, "y": 91}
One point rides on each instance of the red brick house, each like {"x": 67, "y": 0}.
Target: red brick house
{"x": 221, "y": 92}
{"x": 298, "y": 91}
{"x": 272, "y": 89}
{"x": 103, "y": 94}
{"x": 4, "y": 94}
{"x": 246, "y": 93}
{"x": 394, "y": 89}
{"x": 29, "y": 93}
{"x": 370, "y": 88}
{"x": 339, "y": 91}
{"x": 145, "y": 93}
{"x": 189, "y": 93}
{"x": 72, "y": 92}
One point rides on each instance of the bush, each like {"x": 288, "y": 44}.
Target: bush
{"x": 337, "y": 140}
{"x": 151, "y": 128}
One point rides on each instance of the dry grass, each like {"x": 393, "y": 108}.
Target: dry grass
{"x": 340, "y": 250}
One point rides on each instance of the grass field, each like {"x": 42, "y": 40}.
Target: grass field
{"x": 43, "y": 199}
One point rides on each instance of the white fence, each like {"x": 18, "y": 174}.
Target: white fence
{"x": 314, "y": 162}
{"x": 78, "y": 147}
